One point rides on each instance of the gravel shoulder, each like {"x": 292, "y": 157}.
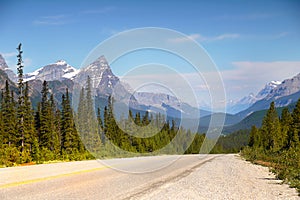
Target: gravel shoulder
{"x": 225, "y": 177}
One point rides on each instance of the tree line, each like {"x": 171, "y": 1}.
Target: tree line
{"x": 276, "y": 143}
{"x": 54, "y": 131}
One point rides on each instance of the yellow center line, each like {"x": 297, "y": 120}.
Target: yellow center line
{"x": 50, "y": 177}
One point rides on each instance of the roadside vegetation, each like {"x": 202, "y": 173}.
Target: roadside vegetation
{"x": 276, "y": 144}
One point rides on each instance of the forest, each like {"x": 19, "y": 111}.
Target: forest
{"x": 276, "y": 144}
{"x": 54, "y": 131}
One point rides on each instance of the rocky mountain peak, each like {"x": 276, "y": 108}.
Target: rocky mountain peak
{"x": 267, "y": 89}
{"x": 287, "y": 87}
{"x": 101, "y": 75}
{"x": 3, "y": 64}
{"x": 56, "y": 71}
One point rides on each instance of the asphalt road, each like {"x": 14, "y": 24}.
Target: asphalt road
{"x": 160, "y": 177}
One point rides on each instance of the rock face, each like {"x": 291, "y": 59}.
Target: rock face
{"x": 101, "y": 76}
{"x": 247, "y": 101}
{"x": 267, "y": 89}
{"x": 286, "y": 88}
{"x": 56, "y": 71}
{"x": 3, "y": 65}
{"x": 286, "y": 93}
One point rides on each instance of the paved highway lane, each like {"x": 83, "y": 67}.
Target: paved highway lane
{"x": 188, "y": 177}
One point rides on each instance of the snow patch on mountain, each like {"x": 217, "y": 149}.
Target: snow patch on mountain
{"x": 244, "y": 103}
{"x": 56, "y": 71}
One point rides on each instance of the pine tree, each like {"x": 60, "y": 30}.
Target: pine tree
{"x": 101, "y": 127}
{"x": 1, "y": 124}
{"x": 271, "y": 129}
{"x": 254, "y": 137}
{"x": 286, "y": 122}
{"x": 87, "y": 120}
{"x": 21, "y": 103}
{"x": 9, "y": 117}
{"x": 295, "y": 132}
{"x": 55, "y": 127}
{"x": 66, "y": 125}
{"x": 45, "y": 119}
{"x": 29, "y": 130}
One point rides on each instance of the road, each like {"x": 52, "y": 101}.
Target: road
{"x": 160, "y": 177}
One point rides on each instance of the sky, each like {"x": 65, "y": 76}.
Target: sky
{"x": 250, "y": 42}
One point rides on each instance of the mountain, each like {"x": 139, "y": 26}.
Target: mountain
{"x": 254, "y": 119}
{"x": 3, "y": 78}
{"x": 283, "y": 94}
{"x": 56, "y": 71}
{"x": 10, "y": 73}
{"x": 170, "y": 104}
{"x": 102, "y": 77}
{"x": 3, "y": 64}
{"x": 247, "y": 101}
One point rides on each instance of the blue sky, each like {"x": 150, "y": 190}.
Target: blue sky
{"x": 251, "y": 42}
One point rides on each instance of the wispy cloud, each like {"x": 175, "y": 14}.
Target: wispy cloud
{"x": 8, "y": 55}
{"x": 103, "y": 10}
{"x": 202, "y": 38}
{"x": 11, "y": 60}
{"x": 248, "y": 76}
{"x": 52, "y": 20}
{"x": 245, "y": 77}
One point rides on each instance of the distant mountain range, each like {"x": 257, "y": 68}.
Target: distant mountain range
{"x": 60, "y": 75}
{"x": 247, "y": 101}
{"x": 284, "y": 94}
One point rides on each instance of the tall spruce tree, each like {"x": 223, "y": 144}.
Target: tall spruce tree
{"x": 271, "y": 129}
{"x": 29, "y": 125}
{"x": 45, "y": 119}
{"x": 87, "y": 120}
{"x": 55, "y": 127}
{"x": 295, "y": 132}
{"x": 9, "y": 117}
{"x": 286, "y": 122}
{"x": 21, "y": 103}
{"x": 254, "y": 139}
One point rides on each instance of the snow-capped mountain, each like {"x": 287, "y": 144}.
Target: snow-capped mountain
{"x": 284, "y": 94}
{"x": 267, "y": 89}
{"x": 286, "y": 88}
{"x": 101, "y": 76}
{"x": 168, "y": 103}
{"x": 56, "y": 71}
{"x": 247, "y": 101}
{"x": 3, "y": 64}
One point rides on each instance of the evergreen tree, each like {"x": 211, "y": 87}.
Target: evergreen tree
{"x": 254, "y": 139}
{"x": 29, "y": 130}
{"x": 68, "y": 138}
{"x": 54, "y": 115}
{"x": 101, "y": 127}
{"x": 21, "y": 104}
{"x": 8, "y": 117}
{"x": 1, "y": 124}
{"x": 87, "y": 120}
{"x": 45, "y": 119}
{"x": 271, "y": 129}
{"x": 295, "y": 132}
{"x": 286, "y": 122}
